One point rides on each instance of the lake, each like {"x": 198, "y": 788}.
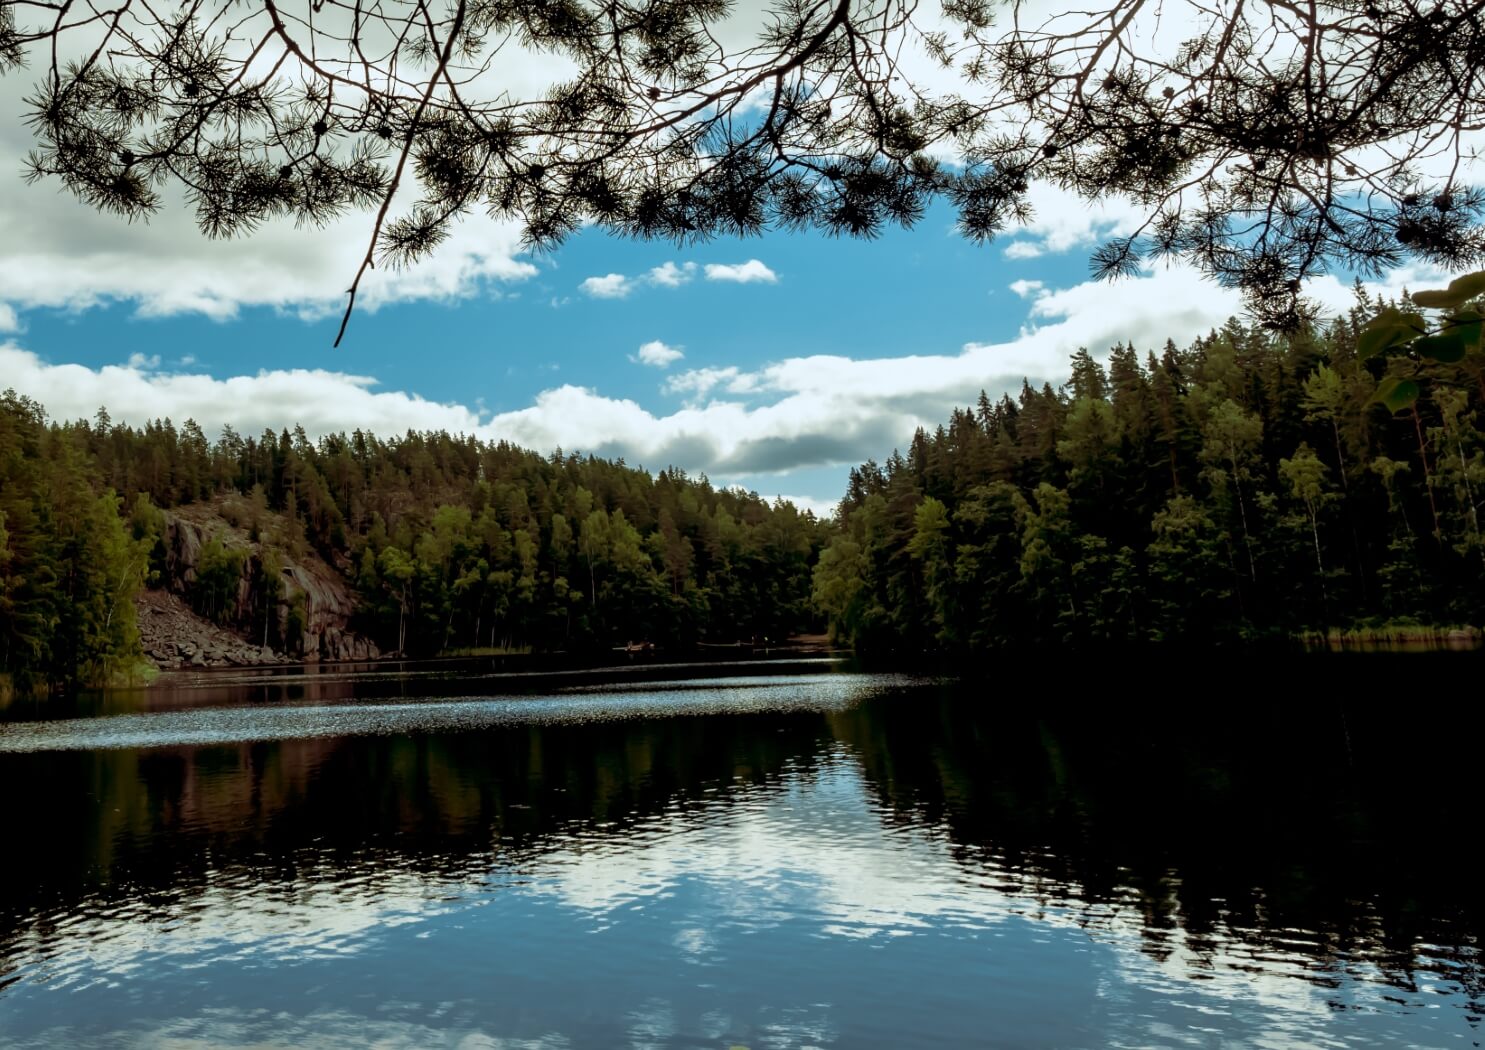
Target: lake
{"x": 764, "y": 855}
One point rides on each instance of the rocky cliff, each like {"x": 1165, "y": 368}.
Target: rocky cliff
{"x": 310, "y": 621}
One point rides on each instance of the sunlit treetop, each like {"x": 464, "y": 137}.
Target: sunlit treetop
{"x": 1265, "y": 142}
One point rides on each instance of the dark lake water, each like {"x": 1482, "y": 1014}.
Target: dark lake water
{"x": 790, "y": 855}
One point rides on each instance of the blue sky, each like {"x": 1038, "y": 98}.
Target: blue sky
{"x": 919, "y": 290}
{"x": 816, "y": 354}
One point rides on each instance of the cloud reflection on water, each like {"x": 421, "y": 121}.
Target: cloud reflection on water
{"x": 763, "y": 886}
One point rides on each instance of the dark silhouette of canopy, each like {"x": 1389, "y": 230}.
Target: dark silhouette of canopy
{"x": 1266, "y": 141}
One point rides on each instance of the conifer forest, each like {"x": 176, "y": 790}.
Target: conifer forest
{"x": 1246, "y": 488}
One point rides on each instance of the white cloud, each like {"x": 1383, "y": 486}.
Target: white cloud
{"x": 669, "y": 275}
{"x": 657, "y": 355}
{"x": 1062, "y": 221}
{"x": 58, "y": 252}
{"x": 741, "y": 273}
{"x": 820, "y": 410}
{"x": 1337, "y": 297}
{"x": 699, "y": 382}
{"x": 813, "y": 411}
{"x": 1027, "y": 289}
{"x": 610, "y": 286}
{"x": 9, "y": 322}
{"x": 1023, "y": 250}
{"x": 323, "y": 401}
{"x": 61, "y": 253}
{"x": 143, "y": 363}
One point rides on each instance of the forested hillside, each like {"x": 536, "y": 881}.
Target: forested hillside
{"x": 449, "y": 542}
{"x": 1247, "y": 486}
{"x": 1243, "y": 487}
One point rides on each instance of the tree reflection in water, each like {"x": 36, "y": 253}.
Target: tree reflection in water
{"x": 1276, "y": 849}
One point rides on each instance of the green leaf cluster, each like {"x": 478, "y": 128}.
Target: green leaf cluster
{"x": 1452, "y": 336}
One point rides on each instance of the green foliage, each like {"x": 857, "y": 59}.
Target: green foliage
{"x": 219, "y": 573}
{"x": 1451, "y": 337}
{"x": 839, "y": 584}
{"x": 1460, "y": 291}
{"x": 1397, "y": 394}
{"x": 1243, "y": 487}
{"x": 70, "y": 564}
{"x": 450, "y": 543}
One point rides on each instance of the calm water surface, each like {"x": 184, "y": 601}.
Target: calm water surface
{"x": 784, "y": 856}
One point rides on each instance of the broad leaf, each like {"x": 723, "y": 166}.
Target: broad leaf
{"x": 1392, "y": 317}
{"x": 1379, "y": 340}
{"x": 1437, "y": 300}
{"x": 1397, "y": 394}
{"x": 1386, "y": 319}
{"x": 1467, "y": 325}
{"x": 1460, "y": 291}
{"x": 1468, "y": 286}
{"x": 1447, "y": 347}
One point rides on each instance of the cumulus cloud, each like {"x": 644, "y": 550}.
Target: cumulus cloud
{"x": 669, "y": 275}
{"x": 1062, "y": 221}
{"x": 657, "y": 355}
{"x": 324, "y": 401}
{"x": 802, "y": 411}
{"x": 1024, "y": 250}
{"x": 698, "y": 382}
{"x": 741, "y": 273}
{"x": 61, "y": 253}
{"x": 609, "y": 286}
{"x": 1027, "y": 289}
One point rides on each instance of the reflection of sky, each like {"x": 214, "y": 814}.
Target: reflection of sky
{"x": 794, "y": 916}
{"x": 820, "y": 853}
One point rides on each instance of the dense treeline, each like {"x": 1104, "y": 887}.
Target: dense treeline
{"x": 451, "y": 542}
{"x": 69, "y": 563}
{"x": 1246, "y": 486}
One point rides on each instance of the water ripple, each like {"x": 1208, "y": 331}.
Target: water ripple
{"x": 227, "y": 725}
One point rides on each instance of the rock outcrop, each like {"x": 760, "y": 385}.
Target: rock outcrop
{"x": 174, "y": 636}
{"x": 312, "y": 619}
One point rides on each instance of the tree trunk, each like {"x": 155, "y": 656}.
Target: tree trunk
{"x": 1433, "y": 507}
{"x": 1340, "y": 457}
{"x": 1319, "y": 562}
{"x": 1243, "y": 514}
